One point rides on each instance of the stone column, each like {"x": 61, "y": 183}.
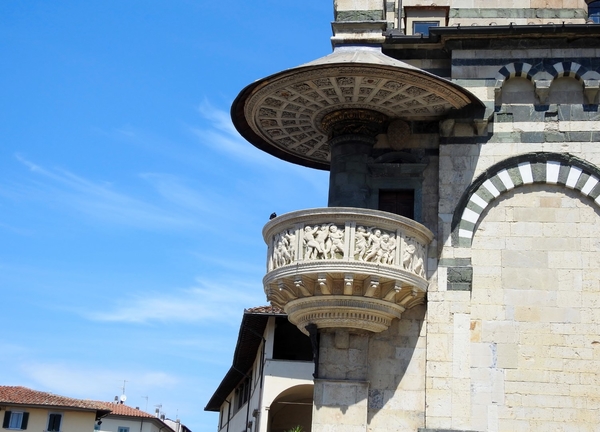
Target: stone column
{"x": 352, "y": 135}
{"x": 341, "y": 390}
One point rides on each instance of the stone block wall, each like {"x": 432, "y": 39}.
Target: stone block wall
{"x": 504, "y": 12}
{"x": 511, "y": 320}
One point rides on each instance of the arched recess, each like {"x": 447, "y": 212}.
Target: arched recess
{"x": 507, "y": 74}
{"x": 568, "y": 84}
{"x": 534, "y": 312}
{"x": 292, "y": 407}
{"x": 543, "y": 167}
{"x": 518, "y": 91}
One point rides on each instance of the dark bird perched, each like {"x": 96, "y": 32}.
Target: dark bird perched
{"x": 273, "y": 216}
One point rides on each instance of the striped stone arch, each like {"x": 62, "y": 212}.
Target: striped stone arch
{"x": 513, "y": 70}
{"x": 549, "y": 168}
{"x": 568, "y": 69}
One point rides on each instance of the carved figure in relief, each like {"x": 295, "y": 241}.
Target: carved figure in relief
{"x": 392, "y": 249}
{"x": 387, "y": 246}
{"x": 283, "y": 249}
{"x": 374, "y": 245}
{"x": 335, "y": 241}
{"x": 384, "y": 249}
{"x": 360, "y": 243}
{"x": 321, "y": 238}
{"x": 312, "y": 246}
{"x": 413, "y": 258}
{"x": 408, "y": 256}
{"x": 419, "y": 261}
{"x": 290, "y": 237}
{"x": 282, "y": 257}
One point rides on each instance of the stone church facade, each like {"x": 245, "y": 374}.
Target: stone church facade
{"x": 453, "y": 281}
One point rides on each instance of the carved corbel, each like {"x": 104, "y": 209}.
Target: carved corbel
{"x": 591, "y": 90}
{"x": 325, "y": 283}
{"x": 413, "y": 301}
{"x": 348, "y": 284}
{"x": 447, "y": 127}
{"x": 480, "y": 127}
{"x": 405, "y": 296}
{"x": 275, "y": 298}
{"x": 542, "y": 90}
{"x": 304, "y": 285}
{"x": 286, "y": 290}
{"x": 395, "y": 289}
{"x": 370, "y": 285}
{"x": 498, "y": 92}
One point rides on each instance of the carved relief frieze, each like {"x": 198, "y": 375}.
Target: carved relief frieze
{"x": 325, "y": 241}
{"x": 413, "y": 256}
{"x": 347, "y": 254}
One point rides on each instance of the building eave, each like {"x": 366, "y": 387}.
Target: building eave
{"x": 250, "y": 337}
{"x": 440, "y": 34}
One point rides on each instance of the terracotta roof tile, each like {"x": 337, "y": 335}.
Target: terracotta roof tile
{"x": 118, "y": 409}
{"x": 124, "y": 410}
{"x": 26, "y": 396}
{"x": 265, "y": 310}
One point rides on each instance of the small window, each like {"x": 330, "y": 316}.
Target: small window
{"x": 242, "y": 393}
{"x": 54, "y": 421}
{"x": 594, "y": 12}
{"x": 419, "y": 19}
{"x": 15, "y": 420}
{"x": 422, "y": 27}
{"x": 123, "y": 429}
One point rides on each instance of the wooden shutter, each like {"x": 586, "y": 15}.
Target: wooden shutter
{"x": 6, "y": 421}
{"x": 54, "y": 422}
{"x": 25, "y": 420}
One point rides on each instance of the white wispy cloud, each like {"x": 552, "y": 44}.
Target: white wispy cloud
{"x": 228, "y": 265}
{"x": 210, "y": 302}
{"x": 84, "y": 381}
{"x": 97, "y": 200}
{"x": 220, "y": 135}
{"x": 199, "y": 198}
{"x": 16, "y": 230}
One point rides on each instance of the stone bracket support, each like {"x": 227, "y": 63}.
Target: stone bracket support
{"x": 348, "y": 284}
{"x": 591, "y": 90}
{"x": 325, "y": 283}
{"x": 370, "y": 285}
{"x": 542, "y": 90}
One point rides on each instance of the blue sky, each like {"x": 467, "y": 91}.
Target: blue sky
{"x": 130, "y": 209}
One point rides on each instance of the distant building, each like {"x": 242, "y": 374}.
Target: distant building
{"x": 26, "y": 409}
{"x": 177, "y": 426}
{"x": 123, "y": 418}
{"x": 269, "y": 385}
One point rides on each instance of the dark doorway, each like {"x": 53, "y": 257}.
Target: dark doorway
{"x": 400, "y": 202}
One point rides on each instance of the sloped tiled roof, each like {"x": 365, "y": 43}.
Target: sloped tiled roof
{"x": 265, "y": 310}
{"x": 124, "y": 410}
{"x": 118, "y": 409}
{"x": 25, "y": 396}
